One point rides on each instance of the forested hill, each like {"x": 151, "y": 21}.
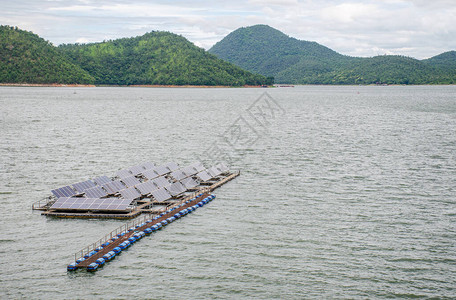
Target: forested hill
{"x": 27, "y": 58}
{"x": 157, "y": 58}
{"x": 265, "y": 50}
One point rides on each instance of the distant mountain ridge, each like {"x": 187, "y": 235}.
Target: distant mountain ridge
{"x": 267, "y": 51}
{"x": 156, "y": 58}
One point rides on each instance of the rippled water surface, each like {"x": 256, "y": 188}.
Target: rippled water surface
{"x": 350, "y": 194}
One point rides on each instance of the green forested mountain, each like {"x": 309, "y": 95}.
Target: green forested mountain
{"x": 160, "y": 58}
{"x": 27, "y": 58}
{"x": 270, "y": 52}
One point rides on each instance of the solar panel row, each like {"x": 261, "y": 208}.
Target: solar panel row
{"x": 161, "y": 195}
{"x": 130, "y": 193}
{"x": 95, "y": 192}
{"x": 146, "y": 188}
{"x": 65, "y": 191}
{"x": 204, "y": 175}
{"x": 130, "y": 181}
{"x": 160, "y": 182}
{"x": 102, "y": 180}
{"x": 80, "y": 187}
{"x": 189, "y": 183}
{"x": 150, "y": 174}
{"x": 123, "y": 174}
{"x": 75, "y": 203}
{"x": 176, "y": 188}
{"x": 113, "y": 187}
{"x": 178, "y": 175}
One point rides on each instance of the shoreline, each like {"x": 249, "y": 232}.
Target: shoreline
{"x": 133, "y": 85}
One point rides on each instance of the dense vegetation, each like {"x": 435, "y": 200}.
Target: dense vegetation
{"x": 267, "y": 51}
{"x": 160, "y": 58}
{"x": 27, "y": 58}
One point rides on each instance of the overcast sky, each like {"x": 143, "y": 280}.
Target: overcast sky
{"x": 417, "y": 28}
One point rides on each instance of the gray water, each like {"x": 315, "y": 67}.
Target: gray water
{"x": 350, "y": 194}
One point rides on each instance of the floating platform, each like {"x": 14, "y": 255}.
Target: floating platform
{"x": 97, "y": 254}
{"x": 144, "y": 188}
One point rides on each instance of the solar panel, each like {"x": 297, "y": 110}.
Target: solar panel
{"x": 161, "y": 195}
{"x": 146, "y": 188}
{"x": 176, "y": 188}
{"x": 135, "y": 170}
{"x": 65, "y": 191}
{"x": 161, "y": 182}
{"x": 214, "y": 171}
{"x": 162, "y": 170}
{"x": 113, "y": 187}
{"x": 198, "y": 166}
{"x": 150, "y": 174}
{"x": 204, "y": 175}
{"x": 190, "y": 170}
{"x": 95, "y": 192}
{"x": 172, "y": 166}
{"x": 80, "y": 187}
{"x": 130, "y": 193}
{"x": 123, "y": 174}
{"x": 148, "y": 165}
{"x": 178, "y": 175}
{"x": 222, "y": 167}
{"x": 73, "y": 203}
{"x": 189, "y": 183}
{"x": 102, "y": 180}
{"x": 130, "y": 181}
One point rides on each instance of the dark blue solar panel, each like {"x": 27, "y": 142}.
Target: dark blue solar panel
{"x": 162, "y": 170}
{"x": 95, "y": 192}
{"x": 65, "y": 191}
{"x": 176, "y": 188}
{"x": 161, "y": 195}
{"x": 131, "y": 181}
{"x": 102, "y": 180}
{"x": 123, "y": 174}
{"x": 150, "y": 174}
{"x": 148, "y": 165}
{"x": 130, "y": 193}
{"x": 189, "y": 183}
{"x": 80, "y": 187}
{"x": 113, "y": 187}
{"x": 146, "y": 188}
{"x": 160, "y": 182}
{"x": 135, "y": 170}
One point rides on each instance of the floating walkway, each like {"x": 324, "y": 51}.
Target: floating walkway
{"x": 93, "y": 258}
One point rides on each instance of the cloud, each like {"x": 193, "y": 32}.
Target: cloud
{"x": 417, "y": 28}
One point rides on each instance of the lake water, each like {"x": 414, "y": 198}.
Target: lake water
{"x": 345, "y": 192}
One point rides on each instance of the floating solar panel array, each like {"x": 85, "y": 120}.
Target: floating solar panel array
{"x": 75, "y": 203}
{"x": 144, "y": 180}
